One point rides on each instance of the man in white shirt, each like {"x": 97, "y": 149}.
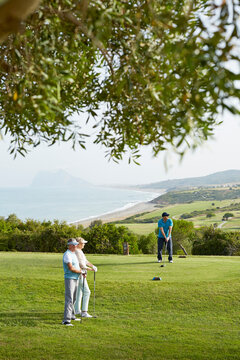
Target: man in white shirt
{"x": 83, "y": 291}
{"x": 71, "y": 274}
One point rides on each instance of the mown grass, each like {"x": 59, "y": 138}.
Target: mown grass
{"x": 179, "y": 209}
{"x": 140, "y": 229}
{"x": 201, "y": 220}
{"x": 232, "y": 224}
{"x": 193, "y": 313}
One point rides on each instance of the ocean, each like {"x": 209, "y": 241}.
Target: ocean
{"x": 67, "y": 204}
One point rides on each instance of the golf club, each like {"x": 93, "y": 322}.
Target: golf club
{"x": 164, "y": 256}
{"x": 94, "y": 295}
{"x": 82, "y": 297}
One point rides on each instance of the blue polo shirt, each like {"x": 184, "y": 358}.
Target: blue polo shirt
{"x": 70, "y": 257}
{"x": 165, "y": 226}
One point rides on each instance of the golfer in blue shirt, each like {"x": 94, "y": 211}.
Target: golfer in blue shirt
{"x": 165, "y": 226}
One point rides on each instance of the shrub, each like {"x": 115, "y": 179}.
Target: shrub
{"x": 13, "y": 220}
{"x": 95, "y": 222}
{"x": 185, "y": 216}
{"x": 228, "y": 215}
{"x": 109, "y": 239}
{"x": 148, "y": 243}
{"x": 48, "y": 236}
{"x": 210, "y": 214}
{"x": 213, "y": 241}
{"x": 183, "y": 234}
{"x": 33, "y": 235}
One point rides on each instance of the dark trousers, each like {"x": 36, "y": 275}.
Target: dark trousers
{"x": 161, "y": 241}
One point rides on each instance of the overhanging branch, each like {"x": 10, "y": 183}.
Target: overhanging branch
{"x": 70, "y": 17}
{"x": 12, "y": 12}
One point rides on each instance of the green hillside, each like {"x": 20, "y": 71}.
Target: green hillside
{"x": 177, "y": 197}
{"x": 197, "y": 212}
{"x": 218, "y": 178}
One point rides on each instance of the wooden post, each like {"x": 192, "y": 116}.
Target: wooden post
{"x": 125, "y": 248}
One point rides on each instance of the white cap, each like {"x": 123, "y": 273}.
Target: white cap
{"x": 81, "y": 240}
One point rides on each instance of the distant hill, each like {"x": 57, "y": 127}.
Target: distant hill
{"x": 203, "y": 194}
{"x": 59, "y": 178}
{"x": 218, "y": 178}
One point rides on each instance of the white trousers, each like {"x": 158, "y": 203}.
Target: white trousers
{"x": 83, "y": 295}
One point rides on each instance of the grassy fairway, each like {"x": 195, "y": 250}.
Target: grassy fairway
{"x": 140, "y": 229}
{"x": 193, "y": 313}
{"x": 178, "y": 209}
{"x": 201, "y": 220}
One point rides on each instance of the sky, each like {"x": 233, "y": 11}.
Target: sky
{"x": 218, "y": 154}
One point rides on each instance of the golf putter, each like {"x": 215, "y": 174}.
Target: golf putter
{"x": 163, "y": 265}
{"x": 94, "y": 315}
{"x": 82, "y": 298}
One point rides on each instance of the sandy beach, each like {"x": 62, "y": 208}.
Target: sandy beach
{"x": 119, "y": 215}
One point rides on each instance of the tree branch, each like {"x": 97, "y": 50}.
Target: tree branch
{"x": 12, "y": 12}
{"x": 69, "y": 16}
{"x": 183, "y": 249}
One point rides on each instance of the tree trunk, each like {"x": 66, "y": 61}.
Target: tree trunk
{"x": 12, "y": 12}
{"x": 183, "y": 249}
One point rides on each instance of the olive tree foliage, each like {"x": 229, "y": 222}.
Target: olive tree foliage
{"x": 149, "y": 72}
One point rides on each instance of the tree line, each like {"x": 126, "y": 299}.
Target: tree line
{"x": 46, "y": 236}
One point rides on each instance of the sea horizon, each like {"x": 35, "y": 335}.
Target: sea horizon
{"x": 68, "y": 204}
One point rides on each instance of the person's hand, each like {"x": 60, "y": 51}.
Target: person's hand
{"x": 84, "y": 272}
{"x": 168, "y": 238}
{"x": 94, "y": 268}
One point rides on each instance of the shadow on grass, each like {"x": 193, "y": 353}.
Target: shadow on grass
{"x": 28, "y": 318}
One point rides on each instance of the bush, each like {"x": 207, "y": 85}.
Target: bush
{"x": 109, "y": 239}
{"x": 185, "y": 216}
{"x": 148, "y": 244}
{"x": 210, "y": 214}
{"x": 95, "y": 222}
{"x": 212, "y": 241}
{"x": 33, "y": 235}
{"x": 13, "y": 220}
{"x": 227, "y": 215}
{"x": 183, "y": 234}
{"x": 48, "y": 236}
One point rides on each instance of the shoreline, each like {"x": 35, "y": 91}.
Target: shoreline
{"x": 118, "y": 215}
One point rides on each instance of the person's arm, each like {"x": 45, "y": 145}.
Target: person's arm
{"x": 162, "y": 231}
{"x": 82, "y": 260}
{"x": 86, "y": 264}
{"x": 169, "y": 231}
{"x": 73, "y": 269}
{"x": 91, "y": 266}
